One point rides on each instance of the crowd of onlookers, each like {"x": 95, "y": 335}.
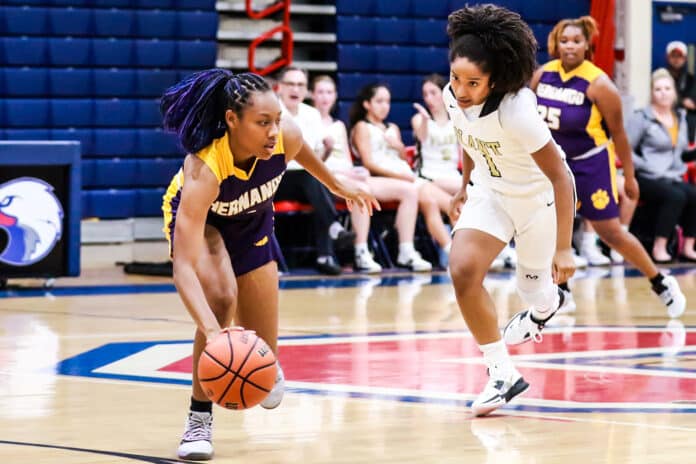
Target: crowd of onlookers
{"x": 369, "y": 152}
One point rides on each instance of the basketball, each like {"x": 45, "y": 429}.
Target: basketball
{"x": 237, "y": 369}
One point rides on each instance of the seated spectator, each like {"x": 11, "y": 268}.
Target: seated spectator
{"x": 338, "y": 160}
{"x": 657, "y": 134}
{"x": 379, "y": 146}
{"x": 298, "y": 184}
{"x": 684, "y": 82}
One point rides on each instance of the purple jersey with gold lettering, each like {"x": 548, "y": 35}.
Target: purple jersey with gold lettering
{"x": 243, "y": 209}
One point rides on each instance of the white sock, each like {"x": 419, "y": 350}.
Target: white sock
{"x": 589, "y": 239}
{"x": 496, "y": 357}
{"x": 406, "y": 248}
{"x": 543, "y": 311}
{"x": 334, "y": 229}
{"x": 361, "y": 248}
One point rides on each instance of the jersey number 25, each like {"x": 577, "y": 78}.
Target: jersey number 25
{"x": 552, "y": 116}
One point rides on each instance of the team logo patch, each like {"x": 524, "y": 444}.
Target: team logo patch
{"x": 611, "y": 369}
{"x": 32, "y": 216}
{"x": 600, "y": 199}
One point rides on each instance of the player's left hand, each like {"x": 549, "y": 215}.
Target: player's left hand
{"x": 631, "y": 187}
{"x": 358, "y": 197}
{"x": 563, "y": 266}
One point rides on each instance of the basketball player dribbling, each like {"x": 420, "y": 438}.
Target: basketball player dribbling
{"x": 218, "y": 215}
{"x": 522, "y": 188}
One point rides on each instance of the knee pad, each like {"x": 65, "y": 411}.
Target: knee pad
{"x": 536, "y": 287}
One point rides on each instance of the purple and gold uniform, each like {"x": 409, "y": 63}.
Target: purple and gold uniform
{"x": 578, "y": 127}
{"x": 243, "y": 210}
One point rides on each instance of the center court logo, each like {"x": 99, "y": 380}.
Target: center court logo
{"x": 32, "y": 216}
{"x": 589, "y": 369}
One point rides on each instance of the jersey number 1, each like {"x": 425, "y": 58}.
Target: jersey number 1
{"x": 552, "y": 116}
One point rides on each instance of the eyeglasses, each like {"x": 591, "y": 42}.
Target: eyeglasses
{"x": 299, "y": 85}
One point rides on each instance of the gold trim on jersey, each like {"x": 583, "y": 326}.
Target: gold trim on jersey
{"x": 587, "y": 70}
{"x": 174, "y": 186}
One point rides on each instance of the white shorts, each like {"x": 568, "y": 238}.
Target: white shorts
{"x": 531, "y": 221}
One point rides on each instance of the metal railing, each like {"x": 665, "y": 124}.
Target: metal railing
{"x": 286, "y": 45}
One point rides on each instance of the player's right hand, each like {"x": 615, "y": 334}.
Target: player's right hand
{"x": 563, "y": 266}
{"x": 456, "y": 204}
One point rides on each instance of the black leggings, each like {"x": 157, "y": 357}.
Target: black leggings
{"x": 675, "y": 202}
{"x": 299, "y": 185}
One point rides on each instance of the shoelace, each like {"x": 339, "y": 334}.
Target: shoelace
{"x": 197, "y": 428}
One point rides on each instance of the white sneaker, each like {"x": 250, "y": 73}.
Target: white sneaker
{"x": 523, "y": 327}
{"x": 276, "y": 395}
{"x": 616, "y": 257}
{"x": 499, "y": 390}
{"x": 365, "y": 263}
{"x": 580, "y": 262}
{"x": 196, "y": 443}
{"x": 594, "y": 255}
{"x": 414, "y": 261}
{"x": 672, "y": 297}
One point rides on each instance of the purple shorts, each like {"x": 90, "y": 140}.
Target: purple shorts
{"x": 249, "y": 241}
{"x": 595, "y": 183}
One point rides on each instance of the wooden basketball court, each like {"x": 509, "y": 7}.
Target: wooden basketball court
{"x": 378, "y": 369}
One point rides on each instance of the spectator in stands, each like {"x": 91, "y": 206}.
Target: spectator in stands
{"x": 298, "y": 184}
{"x": 380, "y": 149}
{"x": 582, "y": 107}
{"x": 340, "y": 163}
{"x": 686, "y": 90}
{"x": 438, "y": 153}
{"x": 657, "y": 134}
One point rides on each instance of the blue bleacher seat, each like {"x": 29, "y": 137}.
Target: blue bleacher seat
{"x": 111, "y": 203}
{"x": 153, "y": 82}
{"x": 356, "y": 58}
{"x": 161, "y": 4}
{"x": 24, "y": 51}
{"x": 204, "y": 5}
{"x": 157, "y": 171}
{"x": 407, "y": 136}
{"x": 26, "y": 81}
{"x": 343, "y": 110}
{"x": 431, "y": 8}
{"x": 400, "y": 86}
{"x": 149, "y": 202}
{"x": 25, "y": 2}
{"x": 577, "y": 8}
{"x": 156, "y": 142}
{"x": 156, "y": 23}
{"x": 394, "y": 58}
{"x": 431, "y": 60}
{"x": 114, "y": 112}
{"x": 114, "y": 23}
{"x": 75, "y": 3}
{"x": 355, "y": 29}
{"x": 84, "y": 136}
{"x": 350, "y": 84}
{"x": 25, "y": 20}
{"x": 393, "y": 30}
{"x": 72, "y": 112}
{"x": 26, "y": 112}
{"x": 196, "y": 53}
{"x": 400, "y": 113}
{"x": 402, "y": 8}
{"x": 430, "y": 32}
{"x": 147, "y": 113}
{"x": 27, "y": 134}
{"x": 114, "y": 142}
{"x": 87, "y": 169}
{"x": 541, "y": 32}
{"x": 70, "y": 52}
{"x": 155, "y": 53}
{"x": 114, "y": 82}
{"x": 115, "y": 3}
{"x": 70, "y": 21}
{"x": 541, "y": 11}
{"x": 115, "y": 172}
{"x": 70, "y": 82}
{"x": 112, "y": 52}
{"x": 2, "y": 86}
{"x": 355, "y": 7}
{"x": 197, "y": 24}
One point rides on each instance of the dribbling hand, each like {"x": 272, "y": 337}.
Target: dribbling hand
{"x": 456, "y": 204}
{"x": 563, "y": 266}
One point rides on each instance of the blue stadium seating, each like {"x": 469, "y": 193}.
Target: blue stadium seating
{"x": 389, "y": 9}
{"x": 349, "y": 84}
{"x": 75, "y": 3}
{"x": 109, "y": 204}
{"x": 84, "y": 136}
{"x": 197, "y": 24}
{"x": 356, "y": 58}
{"x": 115, "y": 112}
{"x": 114, "y": 23}
{"x": 155, "y": 53}
{"x": 355, "y": 29}
{"x": 153, "y": 82}
{"x": 22, "y": 82}
{"x": 541, "y": 32}
{"x": 26, "y": 112}
{"x": 430, "y": 8}
{"x": 402, "y": 87}
{"x": 401, "y": 113}
{"x": 156, "y": 24}
{"x": 156, "y": 142}
{"x": 114, "y": 142}
{"x": 157, "y": 171}
{"x": 392, "y": 30}
{"x": 430, "y": 32}
{"x": 27, "y": 134}
{"x": 160, "y": 4}
{"x": 206, "y": 5}
{"x": 542, "y": 11}
{"x": 73, "y": 112}
{"x": 355, "y": 7}
{"x": 25, "y": 20}
{"x": 394, "y": 58}
{"x": 87, "y": 169}
{"x": 431, "y": 60}
{"x": 24, "y": 51}
{"x": 196, "y": 53}
{"x": 114, "y": 82}
{"x": 112, "y": 52}
{"x": 66, "y": 51}
{"x": 147, "y": 113}
{"x": 25, "y": 2}
{"x": 70, "y": 82}
{"x": 115, "y": 172}
{"x": 70, "y": 21}
{"x": 148, "y": 202}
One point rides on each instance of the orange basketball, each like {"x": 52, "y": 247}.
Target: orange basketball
{"x": 237, "y": 369}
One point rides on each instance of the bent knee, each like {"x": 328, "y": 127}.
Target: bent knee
{"x": 466, "y": 275}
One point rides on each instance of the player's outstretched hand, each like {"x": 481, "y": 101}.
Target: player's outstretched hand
{"x": 358, "y": 197}
{"x": 456, "y": 204}
{"x": 563, "y": 266}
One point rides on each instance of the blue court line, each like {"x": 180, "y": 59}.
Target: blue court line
{"x": 297, "y": 284}
{"x": 600, "y": 361}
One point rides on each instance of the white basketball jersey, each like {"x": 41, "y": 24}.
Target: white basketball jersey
{"x": 338, "y": 160}
{"x": 501, "y": 140}
{"x": 383, "y": 154}
{"x": 439, "y": 153}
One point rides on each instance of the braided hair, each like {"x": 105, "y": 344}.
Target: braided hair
{"x": 195, "y": 108}
{"x": 496, "y": 40}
